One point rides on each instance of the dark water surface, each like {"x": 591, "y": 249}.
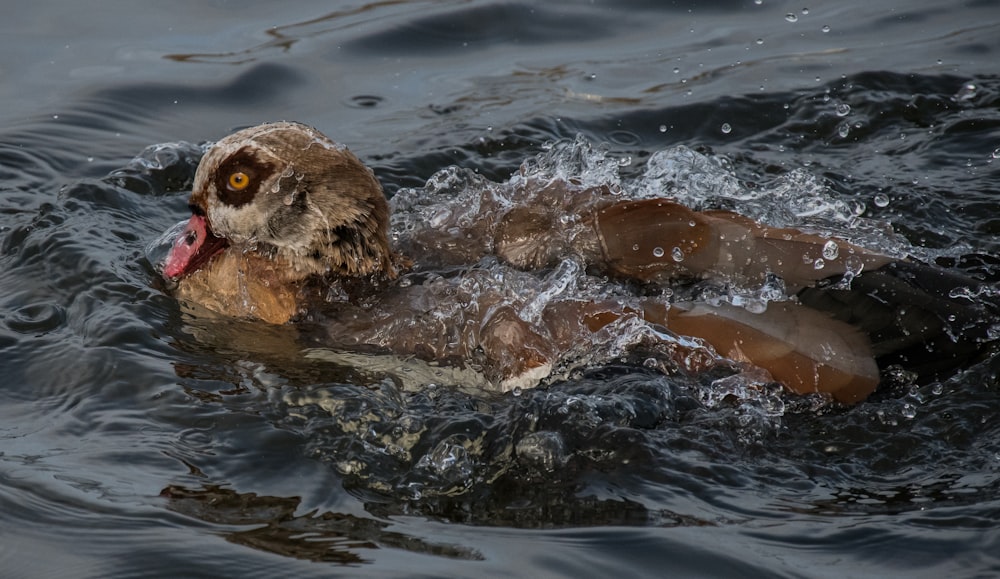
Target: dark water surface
{"x": 139, "y": 440}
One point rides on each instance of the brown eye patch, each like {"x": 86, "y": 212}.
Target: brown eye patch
{"x": 238, "y": 178}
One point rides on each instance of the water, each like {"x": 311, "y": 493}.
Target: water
{"x": 139, "y": 440}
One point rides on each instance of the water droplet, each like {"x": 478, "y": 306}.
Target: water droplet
{"x": 831, "y": 250}
{"x": 843, "y": 109}
{"x": 726, "y": 128}
{"x": 678, "y": 254}
{"x": 663, "y": 128}
{"x": 657, "y": 252}
{"x": 791, "y": 17}
{"x": 635, "y": 247}
{"x": 805, "y": 11}
{"x": 881, "y": 200}
{"x": 996, "y": 153}
{"x": 365, "y": 101}
{"x": 825, "y": 28}
{"x": 819, "y": 264}
{"x": 758, "y": 2}
{"x": 677, "y": 70}
{"x": 760, "y": 41}
{"x": 844, "y": 129}
{"x": 966, "y": 93}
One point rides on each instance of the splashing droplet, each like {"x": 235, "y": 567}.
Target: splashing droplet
{"x": 831, "y": 250}
{"x": 966, "y": 93}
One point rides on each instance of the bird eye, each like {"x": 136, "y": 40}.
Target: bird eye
{"x": 238, "y": 181}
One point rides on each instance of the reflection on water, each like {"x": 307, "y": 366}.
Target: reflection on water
{"x": 273, "y": 524}
{"x": 141, "y": 438}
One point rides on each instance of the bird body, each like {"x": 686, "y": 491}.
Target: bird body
{"x": 283, "y": 219}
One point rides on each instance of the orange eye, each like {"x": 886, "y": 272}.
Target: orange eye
{"x": 238, "y": 181}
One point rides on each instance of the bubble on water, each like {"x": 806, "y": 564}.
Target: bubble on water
{"x": 844, "y": 129}
{"x": 657, "y": 252}
{"x": 843, "y": 109}
{"x": 831, "y": 250}
{"x": 759, "y": 41}
{"x": 826, "y": 28}
{"x": 791, "y": 17}
{"x": 663, "y": 128}
{"x": 805, "y": 11}
{"x": 449, "y": 460}
{"x": 819, "y": 263}
{"x": 635, "y": 247}
{"x": 678, "y": 254}
{"x": 726, "y": 128}
{"x": 544, "y": 450}
{"x": 881, "y": 200}
{"x": 996, "y": 153}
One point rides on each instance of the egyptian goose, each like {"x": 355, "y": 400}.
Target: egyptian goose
{"x": 285, "y": 221}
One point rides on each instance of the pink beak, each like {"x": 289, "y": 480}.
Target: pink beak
{"x": 192, "y": 248}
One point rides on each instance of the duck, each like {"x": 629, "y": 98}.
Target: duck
{"x": 287, "y": 224}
